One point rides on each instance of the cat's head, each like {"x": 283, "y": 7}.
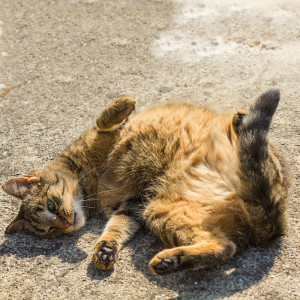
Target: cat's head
{"x": 51, "y": 203}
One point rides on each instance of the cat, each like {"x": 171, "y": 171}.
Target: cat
{"x": 207, "y": 184}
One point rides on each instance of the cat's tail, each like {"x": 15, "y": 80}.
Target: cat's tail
{"x": 264, "y": 176}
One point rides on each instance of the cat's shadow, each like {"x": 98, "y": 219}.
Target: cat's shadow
{"x": 26, "y": 245}
{"x": 240, "y": 273}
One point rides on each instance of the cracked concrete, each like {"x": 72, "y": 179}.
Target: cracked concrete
{"x": 62, "y": 61}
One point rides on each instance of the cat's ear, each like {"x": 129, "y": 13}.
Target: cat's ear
{"x": 18, "y": 223}
{"x": 19, "y": 187}
{"x": 238, "y": 119}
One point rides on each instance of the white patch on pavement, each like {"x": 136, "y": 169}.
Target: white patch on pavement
{"x": 182, "y": 42}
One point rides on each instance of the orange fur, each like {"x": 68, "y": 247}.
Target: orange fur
{"x": 193, "y": 176}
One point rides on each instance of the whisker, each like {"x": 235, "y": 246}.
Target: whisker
{"x": 88, "y": 207}
{"x": 103, "y": 192}
{"x": 89, "y": 200}
{"x": 87, "y": 173}
{"x": 89, "y": 196}
{"x": 93, "y": 199}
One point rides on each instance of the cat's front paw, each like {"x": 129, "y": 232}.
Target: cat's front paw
{"x": 105, "y": 255}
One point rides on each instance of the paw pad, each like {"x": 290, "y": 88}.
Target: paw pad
{"x": 105, "y": 255}
{"x": 166, "y": 266}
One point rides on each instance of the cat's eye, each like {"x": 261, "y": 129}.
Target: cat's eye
{"x": 51, "y": 206}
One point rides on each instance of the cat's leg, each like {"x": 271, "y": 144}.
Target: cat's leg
{"x": 116, "y": 114}
{"x": 197, "y": 231}
{"x": 192, "y": 257}
{"x": 119, "y": 229}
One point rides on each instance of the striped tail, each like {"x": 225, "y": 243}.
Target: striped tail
{"x": 263, "y": 173}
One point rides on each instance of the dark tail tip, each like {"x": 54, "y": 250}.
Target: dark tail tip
{"x": 267, "y": 103}
{"x": 261, "y": 113}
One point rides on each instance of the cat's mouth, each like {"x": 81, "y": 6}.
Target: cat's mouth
{"x": 78, "y": 222}
{"x": 67, "y": 224}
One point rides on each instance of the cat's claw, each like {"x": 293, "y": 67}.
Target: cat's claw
{"x": 105, "y": 255}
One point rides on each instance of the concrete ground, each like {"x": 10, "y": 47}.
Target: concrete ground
{"x": 62, "y": 61}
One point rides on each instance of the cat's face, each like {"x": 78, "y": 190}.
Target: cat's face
{"x": 51, "y": 203}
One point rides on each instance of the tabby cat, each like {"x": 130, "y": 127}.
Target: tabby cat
{"x": 206, "y": 183}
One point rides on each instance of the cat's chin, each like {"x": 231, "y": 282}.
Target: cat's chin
{"x": 79, "y": 221}
{"x": 79, "y": 218}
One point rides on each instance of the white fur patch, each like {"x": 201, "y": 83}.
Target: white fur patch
{"x": 80, "y": 218}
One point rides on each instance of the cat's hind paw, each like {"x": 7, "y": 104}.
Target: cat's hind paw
{"x": 105, "y": 255}
{"x": 164, "y": 266}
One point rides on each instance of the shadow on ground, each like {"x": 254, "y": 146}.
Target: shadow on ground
{"x": 25, "y": 245}
{"x": 241, "y": 272}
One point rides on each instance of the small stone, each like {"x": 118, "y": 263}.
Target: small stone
{"x": 254, "y": 43}
{"x": 64, "y": 79}
{"x": 165, "y": 89}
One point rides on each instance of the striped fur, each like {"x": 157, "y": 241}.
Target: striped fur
{"x": 205, "y": 183}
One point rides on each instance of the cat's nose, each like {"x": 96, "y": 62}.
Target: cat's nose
{"x": 68, "y": 216}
